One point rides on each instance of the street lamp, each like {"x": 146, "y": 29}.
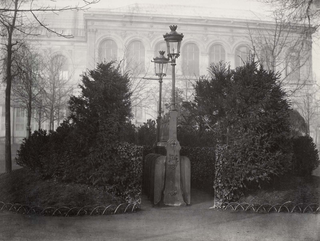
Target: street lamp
{"x": 173, "y": 41}
{"x": 173, "y": 194}
{"x": 160, "y": 69}
{"x": 169, "y": 181}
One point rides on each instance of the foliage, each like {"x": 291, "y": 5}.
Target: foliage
{"x": 26, "y": 187}
{"x": 104, "y": 105}
{"x": 189, "y": 135}
{"x": 117, "y": 168}
{"x": 247, "y": 110}
{"x": 129, "y": 133}
{"x": 298, "y": 124}
{"x": 191, "y": 130}
{"x": 64, "y": 147}
{"x": 305, "y": 156}
{"x": 87, "y": 148}
{"x": 202, "y": 165}
{"x": 146, "y": 133}
{"x": 208, "y": 108}
{"x": 32, "y": 150}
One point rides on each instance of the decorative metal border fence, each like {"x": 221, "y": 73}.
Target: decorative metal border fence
{"x": 70, "y": 211}
{"x": 287, "y": 207}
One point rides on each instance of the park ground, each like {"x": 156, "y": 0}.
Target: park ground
{"x": 195, "y": 223}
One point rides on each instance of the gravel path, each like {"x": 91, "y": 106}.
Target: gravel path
{"x": 195, "y": 222}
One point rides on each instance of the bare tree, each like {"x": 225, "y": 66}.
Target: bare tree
{"x": 133, "y": 64}
{"x": 27, "y": 84}
{"x": 284, "y": 47}
{"x": 57, "y": 88}
{"x": 301, "y": 11}
{"x": 17, "y": 19}
{"x": 309, "y": 109}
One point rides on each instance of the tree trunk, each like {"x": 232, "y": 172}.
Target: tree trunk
{"x": 40, "y": 115}
{"x": 10, "y": 28}
{"x": 29, "y": 111}
{"x": 8, "y": 163}
{"x": 51, "y": 124}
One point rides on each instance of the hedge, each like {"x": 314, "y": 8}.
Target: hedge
{"x": 116, "y": 168}
{"x": 202, "y": 165}
{"x": 245, "y": 166}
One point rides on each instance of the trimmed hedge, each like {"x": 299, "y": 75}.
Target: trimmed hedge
{"x": 116, "y": 168}
{"x": 246, "y": 165}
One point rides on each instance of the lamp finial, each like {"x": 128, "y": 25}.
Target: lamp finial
{"x": 173, "y": 27}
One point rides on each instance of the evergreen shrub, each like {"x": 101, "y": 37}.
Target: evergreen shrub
{"x": 251, "y": 119}
{"x": 89, "y": 147}
{"x": 305, "y": 156}
{"x": 32, "y": 150}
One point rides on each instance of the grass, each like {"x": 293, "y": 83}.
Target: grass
{"x": 25, "y": 187}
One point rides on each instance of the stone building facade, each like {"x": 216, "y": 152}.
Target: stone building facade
{"x": 133, "y": 35}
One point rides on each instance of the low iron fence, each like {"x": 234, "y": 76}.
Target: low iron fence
{"x": 70, "y": 211}
{"x": 287, "y": 207}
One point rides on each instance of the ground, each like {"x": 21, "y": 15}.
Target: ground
{"x": 192, "y": 223}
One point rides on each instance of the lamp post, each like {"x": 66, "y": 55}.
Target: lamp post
{"x": 172, "y": 195}
{"x": 173, "y": 40}
{"x": 160, "y": 69}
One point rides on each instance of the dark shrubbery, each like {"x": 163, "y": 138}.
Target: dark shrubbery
{"x": 202, "y": 161}
{"x": 32, "y": 150}
{"x": 248, "y": 111}
{"x": 89, "y": 147}
{"x": 147, "y": 133}
{"x": 117, "y": 168}
{"x": 305, "y": 156}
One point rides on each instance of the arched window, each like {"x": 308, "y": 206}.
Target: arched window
{"x": 217, "y": 53}
{"x": 190, "y": 60}
{"x": 107, "y": 50}
{"x": 242, "y": 55}
{"x": 163, "y": 46}
{"x": 135, "y": 58}
{"x": 293, "y": 65}
{"x": 266, "y": 58}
